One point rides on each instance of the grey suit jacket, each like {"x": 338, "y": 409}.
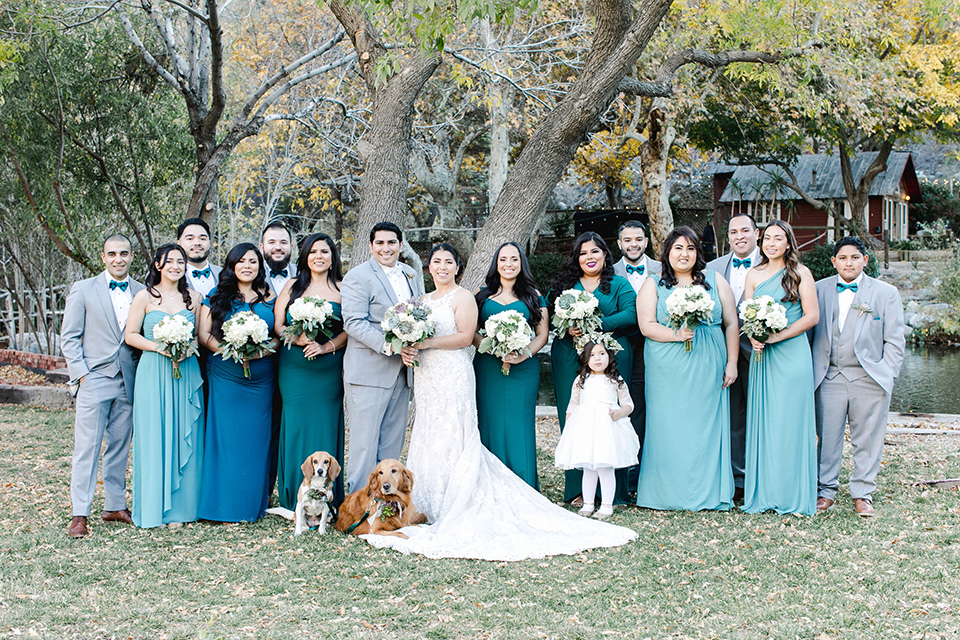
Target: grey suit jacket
{"x": 291, "y": 269}
{"x": 878, "y": 334}
{"x": 90, "y": 338}
{"x": 214, "y": 271}
{"x": 722, "y": 266}
{"x": 652, "y": 267}
{"x": 365, "y": 295}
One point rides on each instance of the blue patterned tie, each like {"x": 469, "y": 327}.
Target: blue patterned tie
{"x": 844, "y": 287}
{"x": 638, "y": 270}
{"x": 201, "y": 273}
{"x": 274, "y": 274}
{"x": 737, "y": 263}
{"x": 118, "y": 285}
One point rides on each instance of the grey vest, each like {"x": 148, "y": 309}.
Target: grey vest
{"x": 843, "y": 358}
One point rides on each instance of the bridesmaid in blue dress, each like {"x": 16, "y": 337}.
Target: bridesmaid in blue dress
{"x": 686, "y": 450}
{"x": 167, "y": 412}
{"x": 236, "y": 465}
{"x": 507, "y": 404}
{"x": 590, "y": 267}
{"x": 781, "y": 462}
{"x": 311, "y": 372}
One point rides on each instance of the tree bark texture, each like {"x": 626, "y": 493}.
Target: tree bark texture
{"x": 653, "y": 169}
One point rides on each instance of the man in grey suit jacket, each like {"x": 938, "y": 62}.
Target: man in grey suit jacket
{"x": 742, "y": 233}
{"x": 376, "y": 384}
{"x": 857, "y": 352}
{"x": 276, "y": 245}
{"x": 102, "y": 366}
{"x": 636, "y": 267}
{"x": 193, "y": 235}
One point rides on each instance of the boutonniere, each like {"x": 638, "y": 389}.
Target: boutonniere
{"x": 864, "y": 308}
{"x": 390, "y": 509}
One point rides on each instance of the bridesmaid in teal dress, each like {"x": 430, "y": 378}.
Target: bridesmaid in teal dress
{"x": 686, "y": 449}
{"x": 781, "y": 462}
{"x": 507, "y": 404}
{"x": 590, "y": 267}
{"x": 311, "y": 372}
{"x": 236, "y": 465}
{"x": 167, "y": 412}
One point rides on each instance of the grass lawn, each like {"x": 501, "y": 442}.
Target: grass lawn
{"x": 690, "y": 575}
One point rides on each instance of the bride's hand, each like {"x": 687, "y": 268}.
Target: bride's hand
{"x": 409, "y": 355}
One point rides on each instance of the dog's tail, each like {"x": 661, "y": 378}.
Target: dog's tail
{"x": 280, "y": 511}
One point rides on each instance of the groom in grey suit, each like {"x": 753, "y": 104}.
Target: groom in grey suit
{"x": 102, "y": 368}
{"x": 376, "y": 384}
{"x": 857, "y": 352}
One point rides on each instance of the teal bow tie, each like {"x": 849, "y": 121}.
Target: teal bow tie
{"x": 737, "y": 263}
{"x": 201, "y": 273}
{"x": 281, "y": 273}
{"x": 118, "y": 285}
{"x": 844, "y": 287}
{"x": 639, "y": 270}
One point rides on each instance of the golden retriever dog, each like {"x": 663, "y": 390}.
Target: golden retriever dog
{"x": 315, "y": 494}
{"x": 383, "y": 506}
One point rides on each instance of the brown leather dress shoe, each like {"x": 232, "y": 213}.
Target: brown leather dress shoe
{"x": 863, "y": 507}
{"x": 118, "y": 516}
{"x": 823, "y": 504}
{"x": 78, "y": 527}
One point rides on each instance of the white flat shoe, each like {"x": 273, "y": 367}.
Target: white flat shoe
{"x": 585, "y": 511}
{"x": 604, "y": 512}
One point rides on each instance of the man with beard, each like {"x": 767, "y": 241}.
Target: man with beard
{"x": 276, "y": 245}
{"x": 193, "y": 235}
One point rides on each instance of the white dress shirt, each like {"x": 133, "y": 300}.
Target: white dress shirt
{"x": 204, "y": 285}
{"x": 738, "y": 275}
{"x": 636, "y": 279}
{"x": 121, "y": 300}
{"x": 278, "y": 282}
{"x": 845, "y": 299}
{"x": 398, "y": 281}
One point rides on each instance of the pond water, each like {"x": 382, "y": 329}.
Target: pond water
{"x": 929, "y": 381}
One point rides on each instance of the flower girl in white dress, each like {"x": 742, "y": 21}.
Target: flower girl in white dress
{"x": 598, "y": 436}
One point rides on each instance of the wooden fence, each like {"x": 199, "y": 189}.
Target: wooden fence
{"x": 30, "y": 320}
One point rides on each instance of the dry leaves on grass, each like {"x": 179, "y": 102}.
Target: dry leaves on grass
{"x": 16, "y": 375}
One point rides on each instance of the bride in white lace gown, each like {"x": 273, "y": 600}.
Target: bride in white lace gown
{"x": 477, "y": 507}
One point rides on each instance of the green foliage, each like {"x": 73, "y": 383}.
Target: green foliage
{"x": 818, "y": 261}
{"x": 545, "y": 267}
{"x": 560, "y": 223}
{"x": 939, "y": 203}
{"x": 949, "y": 288}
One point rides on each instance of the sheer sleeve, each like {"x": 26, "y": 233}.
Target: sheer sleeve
{"x": 574, "y": 395}
{"x": 623, "y": 395}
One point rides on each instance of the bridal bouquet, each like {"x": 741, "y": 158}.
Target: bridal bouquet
{"x": 689, "y": 306}
{"x": 174, "y": 336}
{"x": 575, "y": 308}
{"x": 762, "y": 316}
{"x": 310, "y": 316}
{"x": 407, "y": 323}
{"x": 503, "y": 333}
{"x": 245, "y": 335}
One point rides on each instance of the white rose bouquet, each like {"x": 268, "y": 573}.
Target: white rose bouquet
{"x": 310, "y": 316}
{"x": 575, "y": 309}
{"x": 503, "y": 333}
{"x": 689, "y": 306}
{"x": 245, "y": 336}
{"x": 174, "y": 337}
{"x": 407, "y": 323}
{"x": 762, "y": 316}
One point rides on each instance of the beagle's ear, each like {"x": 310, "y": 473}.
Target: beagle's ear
{"x": 307, "y": 467}
{"x": 407, "y": 480}
{"x": 334, "y": 471}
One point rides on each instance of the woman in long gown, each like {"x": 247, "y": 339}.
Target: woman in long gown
{"x": 507, "y": 404}
{"x": 167, "y": 412}
{"x": 686, "y": 450}
{"x": 310, "y": 373}
{"x": 781, "y": 461}
{"x": 478, "y": 508}
{"x": 589, "y": 267}
{"x": 239, "y": 411}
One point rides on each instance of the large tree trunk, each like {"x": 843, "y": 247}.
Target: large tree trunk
{"x": 858, "y": 193}
{"x": 653, "y": 169}
{"x": 616, "y": 48}
{"x": 501, "y": 96}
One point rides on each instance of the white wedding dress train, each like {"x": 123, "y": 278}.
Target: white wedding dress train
{"x": 477, "y": 507}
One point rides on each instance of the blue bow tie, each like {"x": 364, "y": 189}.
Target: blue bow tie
{"x": 737, "y": 263}
{"x": 201, "y": 273}
{"x": 118, "y": 285}
{"x": 274, "y": 274}
{"x": 844, "y": 287}
{"x": 638, "y": 270}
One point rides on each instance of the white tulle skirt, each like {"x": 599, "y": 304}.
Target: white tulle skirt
{"x": 591, "y": 440}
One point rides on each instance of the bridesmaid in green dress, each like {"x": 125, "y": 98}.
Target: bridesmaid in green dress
{"x": 781, "y": 462}
{"x": 167, "y": 412}
{"x": 686, "y": 448}
{"x": 507, "y": 404}
{"x": 590, "y": 267}
{"x": 311, "y": 372}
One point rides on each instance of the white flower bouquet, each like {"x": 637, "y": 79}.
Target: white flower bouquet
{"x": 503, "y": 333}
{"x": 689, "y": 306}
{"x": 575, "y": 309}
{"x": 174, "y": 337}
{"x": 407, "y": 323}
{"x": 762, "y": 316}
{"x": 310, "y": 316}
{"x": 245, "y": 336}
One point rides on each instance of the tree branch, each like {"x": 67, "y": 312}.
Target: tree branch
{"x": 218, "y": 95}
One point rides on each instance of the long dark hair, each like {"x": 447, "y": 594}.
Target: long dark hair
{"x": 583, "y": 360}
{"x": 304, "y": 275}
{"x": 791, "y": 262}
{"x": 525, "y": 288}
{"x": 667, "y": 277}
{"x": 153, "y": 273}
{"x": 227, "y": 294}
{"x": 449, "y": 248}
{"x": 570, "y": 271}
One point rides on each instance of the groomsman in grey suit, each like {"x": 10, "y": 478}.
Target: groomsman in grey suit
{"x": 857, "y": 352}
{"x": 276, "y": 245}
{"x": 743, "y": 234}
{"x": 193, "y": 235}
{"x": 102, "y": 367}
{"x": 636, "y": 267}
{"x": 376, "y": 384}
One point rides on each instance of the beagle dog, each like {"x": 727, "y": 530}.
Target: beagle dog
{"x": 384, "y": 505}
{"x": 320, "y": 470}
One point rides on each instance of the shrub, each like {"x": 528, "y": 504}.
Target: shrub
{"x": 545, "y": 267}
{"x": 818, "y": 261}
{"x": 949, "y": 288}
